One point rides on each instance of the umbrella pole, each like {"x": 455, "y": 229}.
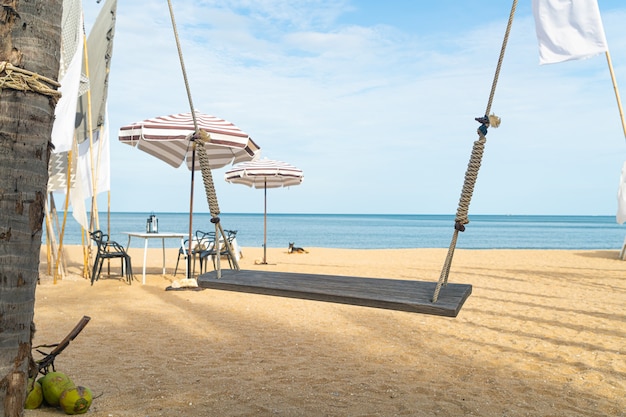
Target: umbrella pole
{"x": 195, "y": 123}
{"x": 190, "y": 240}
{"x": 265, "y": 223}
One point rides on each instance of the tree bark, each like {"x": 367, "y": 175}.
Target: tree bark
{"x": 30, "y": 36}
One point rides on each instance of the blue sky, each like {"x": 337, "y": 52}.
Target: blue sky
{"x": 376, "y": 105}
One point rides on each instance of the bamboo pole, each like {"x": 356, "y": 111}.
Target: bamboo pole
{"x": 94, "y": 201}
{"x": 67, "y": 199}
{"x": 86, "y": 258}
{"x": 109, "y": 212}
{"x": 619, "y": 101}
{"x": 108, "y": 226}
{"x": 48, "y": 251}
{"x": 59, "y": 254}
{"x": 48, "y": 243}
{"x": 51, "y": 236}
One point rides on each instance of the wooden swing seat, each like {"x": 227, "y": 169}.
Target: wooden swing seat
{"x": 393, "y": 294}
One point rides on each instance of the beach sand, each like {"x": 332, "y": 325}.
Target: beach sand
{"x": 543, "y": 334}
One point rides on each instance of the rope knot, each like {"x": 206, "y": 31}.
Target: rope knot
{"x": 201, "y": 137}
{"x": 16, "y": 78}
{"x": 487, "y": 121}
{"x": 494, "y": 120}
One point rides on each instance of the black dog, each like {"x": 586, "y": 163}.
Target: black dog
{"x": 294, "y": 249}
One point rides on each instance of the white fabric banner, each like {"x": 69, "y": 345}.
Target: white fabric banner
{"x": 568, "y": 30}
{"x": 95, "y": 161}
{"x": 69, "y": 75}
{"x": 65, "y": 111}
{"x": 621, "y": 197}
{"x": 97, "y": 157}
{"x": 79, "y": 211}
{"x": 104, "y": 157}
{"x": 83, "y": 186}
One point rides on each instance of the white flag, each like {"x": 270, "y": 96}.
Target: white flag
{"x": 621, "y": 197}
{"x": 568, "y": 30}
{"x": 79, "y": 211}
{"x": 94, "y": 160}
{"x": 104, "y": 160}
{"x": 69, "y": 74}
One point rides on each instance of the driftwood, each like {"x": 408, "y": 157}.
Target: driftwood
{"x": 43, "y": 365}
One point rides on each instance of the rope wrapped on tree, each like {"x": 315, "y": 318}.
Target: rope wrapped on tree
{"x": 15, "y": 78}
{"x": 473, "y": 166}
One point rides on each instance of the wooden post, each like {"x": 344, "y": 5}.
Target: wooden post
{"x": 619, "y": 101}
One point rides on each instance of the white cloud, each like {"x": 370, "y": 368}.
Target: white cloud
{"x": 380, "y": 118}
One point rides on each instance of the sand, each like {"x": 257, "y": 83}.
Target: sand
{"x": 543, "y": 334}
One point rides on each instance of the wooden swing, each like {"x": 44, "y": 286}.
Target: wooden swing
{"x": 436, "y": 298}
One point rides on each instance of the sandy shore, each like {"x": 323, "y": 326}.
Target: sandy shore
{"x": 543, "y": 334}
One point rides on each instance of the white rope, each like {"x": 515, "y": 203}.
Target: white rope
{"x": 473, "y": 167}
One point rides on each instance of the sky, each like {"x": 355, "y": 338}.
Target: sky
{"x": 374, "y": 101}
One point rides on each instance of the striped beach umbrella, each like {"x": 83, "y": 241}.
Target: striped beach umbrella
{"x": 169, "y": 138}
{"x": 264, "y": 173}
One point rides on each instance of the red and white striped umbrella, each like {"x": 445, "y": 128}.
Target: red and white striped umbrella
{"x": 264, "y": 173}
{"x": 168, "y": 138}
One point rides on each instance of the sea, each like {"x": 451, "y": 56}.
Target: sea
{"x": 374, "y": 231}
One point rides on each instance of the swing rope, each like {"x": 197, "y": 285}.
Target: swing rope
{"x": 214, "y": 208}
{"x": 200, "y": 138}
{"x": 182, "y": 66}
{"x": 471, "y": 175}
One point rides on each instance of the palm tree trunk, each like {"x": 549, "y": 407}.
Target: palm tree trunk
{"x": 30, "y": 36}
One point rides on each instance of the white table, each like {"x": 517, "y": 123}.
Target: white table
{"x": 146, "y": 237}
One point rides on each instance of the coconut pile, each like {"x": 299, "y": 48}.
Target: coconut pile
{"x": 55, "y": 389}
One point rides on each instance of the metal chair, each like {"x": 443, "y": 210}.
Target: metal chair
{"x": 109, "y": 249}
{"x": 200, "y": 242}
{"x": 212, "y": 251}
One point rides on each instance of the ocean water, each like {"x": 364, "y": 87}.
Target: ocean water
{"x": 376, "y": 231}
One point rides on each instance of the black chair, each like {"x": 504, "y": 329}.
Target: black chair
{"x": 200, "y": 242}
{"x": 212, "y": 251}
{"x": 109, "y": 249}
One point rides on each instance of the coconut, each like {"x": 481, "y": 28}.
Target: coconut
{"x": 76, "y": 400}
{"x": 35, "y": 395}
{"x": 53, "y": 384}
